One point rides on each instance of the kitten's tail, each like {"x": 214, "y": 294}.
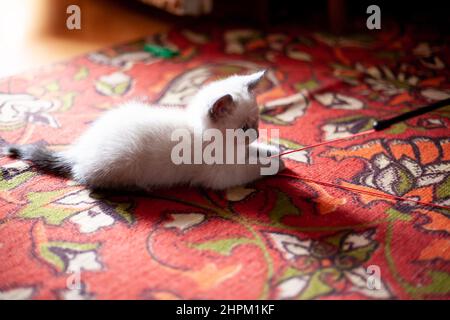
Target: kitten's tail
{"x": 42, "y": 158}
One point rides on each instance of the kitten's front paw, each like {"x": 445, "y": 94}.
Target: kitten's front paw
{"x": 267, "y": 150}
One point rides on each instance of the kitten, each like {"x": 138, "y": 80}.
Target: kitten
{"x": 130, "y": 146}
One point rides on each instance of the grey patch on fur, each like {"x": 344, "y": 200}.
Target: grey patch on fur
{"x": 42, "y": 158}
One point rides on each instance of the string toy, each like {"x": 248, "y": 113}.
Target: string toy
{"x": 376, "y": 127}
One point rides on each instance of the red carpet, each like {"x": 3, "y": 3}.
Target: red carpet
{"x": 277, "y": 238}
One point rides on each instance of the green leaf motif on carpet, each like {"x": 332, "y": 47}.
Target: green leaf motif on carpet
{"x": 224, "y": 246}
{"x": 443, "y": 190}
{"x": 12, "y": 183}
{"x": 38, "y": 207}
{"x": 81, "y": 74}
{"x": 53, "y": 252}
{"x": 316, "y": 286}
{"x": 283, "y": 207}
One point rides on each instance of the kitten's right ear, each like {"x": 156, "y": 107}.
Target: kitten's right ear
{"x": 221, "y": 107}
{"x": 255, "y": 79}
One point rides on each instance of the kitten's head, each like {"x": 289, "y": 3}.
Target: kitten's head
{"x": 229, "y": 103}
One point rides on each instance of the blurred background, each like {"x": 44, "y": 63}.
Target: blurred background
{"x": 33, "y": 32}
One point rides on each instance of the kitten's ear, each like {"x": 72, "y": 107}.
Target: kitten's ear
{"x": 221, "y": 107}
{"x": 254, "y": 79}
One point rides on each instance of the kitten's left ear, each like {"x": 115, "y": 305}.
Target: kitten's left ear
{"x": 254, "y": 79}
{"x": 221, "y": 107}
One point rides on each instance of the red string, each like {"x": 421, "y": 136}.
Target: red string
{"x": 324, "y": 142}
{"x": 376, "y": 194}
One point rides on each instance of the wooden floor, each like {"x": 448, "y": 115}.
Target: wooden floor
{"x": 34, "y": 32}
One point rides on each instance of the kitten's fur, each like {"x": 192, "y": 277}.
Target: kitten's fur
{"x": 131, "y": 145}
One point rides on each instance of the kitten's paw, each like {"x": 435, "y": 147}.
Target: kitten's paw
{"x": 267, "y": 150}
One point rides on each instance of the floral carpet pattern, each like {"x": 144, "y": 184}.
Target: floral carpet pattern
{"x": 277, "y": 238}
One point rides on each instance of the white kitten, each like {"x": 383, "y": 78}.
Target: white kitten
{"x": 131, "y": 145}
